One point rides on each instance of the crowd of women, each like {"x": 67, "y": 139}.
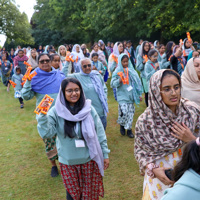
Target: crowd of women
{"x": 167, "y": 145}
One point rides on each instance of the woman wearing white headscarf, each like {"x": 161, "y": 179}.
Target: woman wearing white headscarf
{"x": 28, "y": 52}
{"x": 113, "y": 60}
{"x": 33, "y": 60}
{"x": 77, "y": 56}
{"x": 191, "y": 81}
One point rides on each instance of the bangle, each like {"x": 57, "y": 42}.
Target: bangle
{"x": 150, "y": 168}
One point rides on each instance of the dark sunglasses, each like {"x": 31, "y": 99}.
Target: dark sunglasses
{"x": 44, "y": 61}
{"x": 85, "y": 66}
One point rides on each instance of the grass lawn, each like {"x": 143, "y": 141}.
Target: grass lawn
{"x": 25, "y": 169}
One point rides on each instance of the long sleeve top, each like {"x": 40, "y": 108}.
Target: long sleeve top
{"x": 150, "y": 70}
{"x": 51, "y": 124}
{"x": 140, "y": 66}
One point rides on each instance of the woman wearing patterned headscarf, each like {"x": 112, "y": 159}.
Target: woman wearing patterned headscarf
{"x": 166, "y": 125}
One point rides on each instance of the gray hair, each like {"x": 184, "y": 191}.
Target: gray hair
{"x": 83, "y": 59}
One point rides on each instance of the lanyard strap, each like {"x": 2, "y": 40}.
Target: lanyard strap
{"x": 76, "y": 129}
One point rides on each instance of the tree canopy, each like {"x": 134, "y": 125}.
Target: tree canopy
{"x": 70, "y": 21}
{"x": 14, "y": 24}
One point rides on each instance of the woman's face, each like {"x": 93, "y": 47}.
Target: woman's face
{"x": 56, "y": 62}
{"x": 154, "y": 57}
{"x": 20, "y": 54}
{"x": 162, "y": 49}
{"x": 170, "y": 91}
{"x": 44, "y": 63}
{"x": 62, "y": 51}
{"x": 77, "y": 49}
{"x": 188, "y": 44}
{"x": 86, "y": 66}
{"x": 197, "y": 66}
{"x": 195, "y": 54}
{"x": 125, "y": 62}
{"x": 33, "y": 54}
{"x": 146, "y": 46}
{"x": 96, "y": 48}
{"x": 112, "y": 45}
{"x": 120, "y": 48}
{"x": 72, "y": 93}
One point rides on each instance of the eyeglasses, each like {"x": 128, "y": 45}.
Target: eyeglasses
{"x": 154, "y": 56}
{"x": 70, "y": 91}
{"x": 85, "y": 66}
{"x": 44, "y": 61}
{"x": 169, "y": 91}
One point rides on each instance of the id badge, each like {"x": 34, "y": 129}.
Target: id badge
{"x": 129, "y": 88}
{"x": 79, "y": 143}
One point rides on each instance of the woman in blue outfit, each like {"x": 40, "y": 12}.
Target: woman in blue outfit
{"x": 142, "y": 58}
{"x": 129, "y": 91}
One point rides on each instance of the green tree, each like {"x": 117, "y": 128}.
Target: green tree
{"x": 63, "y": 20}
{"x": 85, "y": 20}
{"x": 14, "y": 24}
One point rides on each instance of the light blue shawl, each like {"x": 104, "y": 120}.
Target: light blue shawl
{"x": 98, "y": 88}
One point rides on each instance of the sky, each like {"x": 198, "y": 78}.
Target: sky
{"x": 24, "y": 6}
